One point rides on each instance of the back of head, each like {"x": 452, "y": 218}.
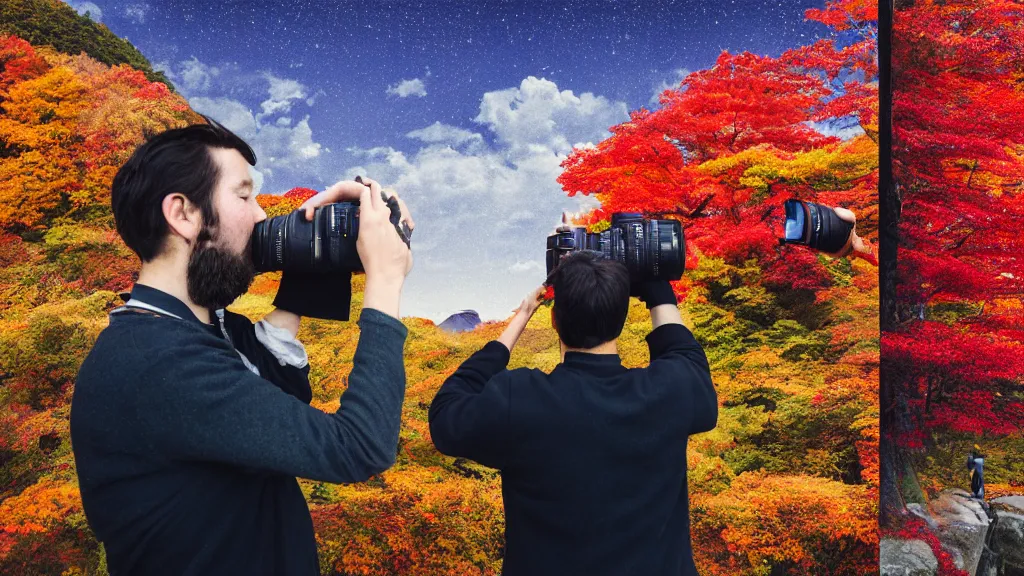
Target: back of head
{"x": 174, "y": 161}
{"x": 591, "y": 299}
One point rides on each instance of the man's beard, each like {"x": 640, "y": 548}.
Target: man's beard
{"x": 215, "y": 276}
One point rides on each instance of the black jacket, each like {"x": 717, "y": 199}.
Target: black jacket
{"x": 187, "y": 460}
{"x": 592, "y": 456}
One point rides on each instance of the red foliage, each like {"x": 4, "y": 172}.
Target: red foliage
{"x": 915, "y": 529}
{"x": 12, "y": 250}
{"x": 958, "y": 156}
{"x": 795, "y": 270}
{"x": 300, "y": 194}
{"x": 724, "y": 151}
{"x": 958, "y": 115}
{"x": 845, "y": 14}
{"x": 152, "y": 91}
{"x": 18, "y": 62}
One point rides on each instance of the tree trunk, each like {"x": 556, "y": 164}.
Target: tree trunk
{"x": 898, "y": 479}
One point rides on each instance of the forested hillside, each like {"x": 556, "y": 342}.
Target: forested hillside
{"x": 787, "y": 483}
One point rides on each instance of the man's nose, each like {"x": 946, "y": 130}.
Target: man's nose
{"x": 261, "y": 214}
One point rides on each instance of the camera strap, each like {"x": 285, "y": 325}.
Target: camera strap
{"x": 140, "y": 305}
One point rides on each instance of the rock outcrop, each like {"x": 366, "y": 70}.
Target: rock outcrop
{"x": 962, "y": 527}
{"x": 906, "y": 558}
{"x": 1007, "y": 541}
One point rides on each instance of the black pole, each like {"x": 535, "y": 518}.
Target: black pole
{"x": 890, "y": 497}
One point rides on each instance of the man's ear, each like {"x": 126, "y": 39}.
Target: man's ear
{"x": 183, "y": 217}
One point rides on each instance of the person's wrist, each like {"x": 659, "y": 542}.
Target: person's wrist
{"x": 392, "y": 279}
{"x": 383, "y": 294}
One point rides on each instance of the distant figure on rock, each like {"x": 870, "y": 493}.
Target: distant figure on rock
{"x": 461, "y": 321}
{"x": 975, "y": 462}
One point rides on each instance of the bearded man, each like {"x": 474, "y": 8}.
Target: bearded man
{"x": 190, "y": 424}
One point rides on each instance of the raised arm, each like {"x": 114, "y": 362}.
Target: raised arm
{"x": 676, "y": 355}
{"x": 469, "y": 416}
{"x": 202, "y": 403}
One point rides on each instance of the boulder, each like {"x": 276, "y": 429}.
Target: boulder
{"x": 922, "y": 513}
{"x": 962, "y": 527}
{"x": 463, "y": 321}
{"x": 906, "y": 558}
{"x": 1008, "y": 535}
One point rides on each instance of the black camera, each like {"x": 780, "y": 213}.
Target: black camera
{"x": 815, "y": 226}
{"x": 325, "y": 244}
{"x": 650, "y": 249}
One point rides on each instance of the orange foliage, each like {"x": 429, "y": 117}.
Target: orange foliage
{"x": 39, "y": 508}
{"x": 804, "y": 525}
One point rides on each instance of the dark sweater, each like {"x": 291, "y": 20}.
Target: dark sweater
{"x": 592, "y": 456}
{"x": 187, "y": 460}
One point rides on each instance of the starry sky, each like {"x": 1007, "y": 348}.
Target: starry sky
{"x": 465, "y": 108}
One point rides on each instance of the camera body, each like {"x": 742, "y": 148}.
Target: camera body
{"x": 815, "y": 226}
{"x": 650, "y": 249}
{"x": 325, "y": 244}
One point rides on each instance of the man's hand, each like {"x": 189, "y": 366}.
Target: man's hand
{"x": 349, "y": 191}
{"x": 522, "y": 316}
{"x": 386, "y": 259}
{"x": 343, "y": 191}
{"x": 530, "y": 304}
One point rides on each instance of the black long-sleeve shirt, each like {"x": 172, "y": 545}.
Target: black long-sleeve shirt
{"x": 187, "y": 460}
{"x": 592, "y": 456}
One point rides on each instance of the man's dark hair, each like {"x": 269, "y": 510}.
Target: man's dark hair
{"x": 178, "y": 160}
{"x": 591, "y": 299}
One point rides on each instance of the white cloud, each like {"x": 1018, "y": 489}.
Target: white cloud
{"x": 95, "y": 13}
{"x": 277, "y": 145}
{"x": 283, "y": 144}
{"x": 168, "y": 70}
{"x": 483, "y": 212}
{"x": 538, "y": 114}
{"x": 406, "y": 88}
{"x": 528, "y": 266}
{"x": 282, "y": 92}
{"x": 673, "y": 81}
{"x": 438, "y": 133}
{"x": 194, "y": 76}
{"x": 137, "y": 12}
{"x": 312, "y": 99}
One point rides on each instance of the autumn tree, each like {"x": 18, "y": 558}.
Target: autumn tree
{"x": 724, "y": 150}
{"x": 949, "y": 356}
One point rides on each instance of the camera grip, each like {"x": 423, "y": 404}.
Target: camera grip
{"x": 835, "y": 231}
{"x": 327, "y": 296}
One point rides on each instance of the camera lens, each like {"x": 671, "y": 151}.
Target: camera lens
{"x": 290, "y": 242}
{"x": 650, "y": 249}
{"x": 816, "y": 226}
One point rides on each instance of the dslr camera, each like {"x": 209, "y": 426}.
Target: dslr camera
{"x": 325, "y": 244}
{"x": 650, "y": 249}
{"x": 815, "y": 226}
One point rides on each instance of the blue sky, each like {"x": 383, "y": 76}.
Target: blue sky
{"x": 464, "y": 108}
